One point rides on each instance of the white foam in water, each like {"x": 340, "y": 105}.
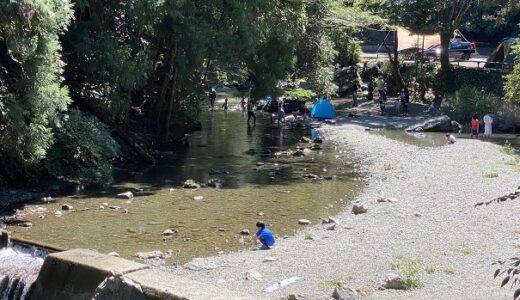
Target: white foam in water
{"x": 19, "y": 267}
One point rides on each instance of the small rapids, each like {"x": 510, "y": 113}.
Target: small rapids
{"x": 19, "y": 268}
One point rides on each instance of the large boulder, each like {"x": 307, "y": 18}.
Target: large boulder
{"x": 119, "y": 288}
{"x": 434, "y": 124}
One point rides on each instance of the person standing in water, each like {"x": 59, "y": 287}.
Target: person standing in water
{"x": 264, "y": 236}
{"x": 225, "y": 105}
{"x": 243, "y": 104}
{"x": 251, "y": 111}
{"x": 212, "y": 96}
{"x": 475, "y": 125}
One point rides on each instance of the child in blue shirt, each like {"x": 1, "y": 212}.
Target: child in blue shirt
{"x": 265, "y": 236}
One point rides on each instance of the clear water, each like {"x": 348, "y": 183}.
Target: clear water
{"x": 434, "y": 139}
{"x": 276, "y": 192}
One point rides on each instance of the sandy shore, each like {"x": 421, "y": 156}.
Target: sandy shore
{"x": 434, "y": 220}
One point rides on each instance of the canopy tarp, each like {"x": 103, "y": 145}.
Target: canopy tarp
{"x": 323, "y": 110}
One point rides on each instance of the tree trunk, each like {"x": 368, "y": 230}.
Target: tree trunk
{"x": 170, "y": 107}
{"x": 445, "y": 57}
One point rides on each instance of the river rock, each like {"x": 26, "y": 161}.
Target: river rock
{"x": 342, "y": 293}
{"x": 317, "y": 140}
{"x": 298, "y": 153}
{"x": 169, "y": 232}
{"x": 304, "y": 222}
{"x": 67, "y": 207}
{"x": 114, "y": 254}
{"x": 190, "y": 184}
{"x": 312, "y": 176}
{"x": 253, "y": 274}
{"x": 359, "y": 208}
{"x": 260, "y": 164}
{"x": 125, "y": 195}
{"x": 58, "y": 213}
{"x": 316, "y": 147}
{"x": 260, "y": 214}
{"x": 150, "y": 255}
{"x": 119, "y": 288}
{"x": 435, "y": 124}
{"x": 330, "y": 220}
{"x": 214, "y": 183}
{"x": 245, "y": 231}
{"x": 331, "y": 227}
{"x": 305, "y": 139}
{"x": 198, "y": 198}
{"x": 394, "y": 281}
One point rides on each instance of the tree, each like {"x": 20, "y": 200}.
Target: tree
{"x": 31, "y": 92}
{"x": 512, "y": 85}
{"x": 443, "y": 16}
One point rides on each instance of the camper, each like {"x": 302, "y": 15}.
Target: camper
{"x": 503, "y": 55}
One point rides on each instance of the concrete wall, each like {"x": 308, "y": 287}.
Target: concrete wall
{"x": 81, "y": 274}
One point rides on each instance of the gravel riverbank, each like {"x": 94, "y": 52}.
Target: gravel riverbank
{"x": 434, "y": 220}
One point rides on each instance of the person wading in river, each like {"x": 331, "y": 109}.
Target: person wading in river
{"x": 251, "y": 111}
{"x": 475, "y": 124}
{"x": 264, "y": 236}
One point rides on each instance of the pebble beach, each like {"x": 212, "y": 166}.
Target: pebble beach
{"x": 430, "y": 218}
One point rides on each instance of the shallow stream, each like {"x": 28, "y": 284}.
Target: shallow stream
{"x": 227, "y": 151}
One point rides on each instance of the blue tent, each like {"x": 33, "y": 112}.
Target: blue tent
{"x": 323, "y": 110}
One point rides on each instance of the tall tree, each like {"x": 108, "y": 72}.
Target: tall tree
{"x": 31, "y": 92}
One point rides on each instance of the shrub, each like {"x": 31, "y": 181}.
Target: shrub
{"x": 82, "y": 150}
{"x": 468, "y": 101}
{"x": 301, "y": 94}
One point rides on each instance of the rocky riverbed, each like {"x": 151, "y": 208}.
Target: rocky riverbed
{"x": 420, "y": 211}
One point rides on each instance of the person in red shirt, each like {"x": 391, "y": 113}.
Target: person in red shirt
{"x": 475, "y": 124}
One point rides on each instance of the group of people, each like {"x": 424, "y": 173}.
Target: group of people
{"x": 475, "y": 128}
{"x": 400, "y": 104}
{"x": 248, "y": 105}
{"x": 488, "y": 126}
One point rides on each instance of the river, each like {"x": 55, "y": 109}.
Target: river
{"x": 256, "y": 185}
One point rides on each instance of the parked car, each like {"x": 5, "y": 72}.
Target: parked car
{"x": 458, "y": 49}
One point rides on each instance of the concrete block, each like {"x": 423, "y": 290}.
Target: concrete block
{"x": 75, "y": 274}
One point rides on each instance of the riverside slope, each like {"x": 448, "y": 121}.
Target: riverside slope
{"x": 433, "y": 220}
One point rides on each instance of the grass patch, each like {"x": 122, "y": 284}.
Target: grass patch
{"x": 508, "y": 149}
{"x": 410, "y": 270}
{"x": 490, "y": 175}
{"x": 334, "y": 281}
{"x": 387, "y": 167}
{"x": 450, "y": 271}
{"x": 309, "y": 236}
{"x": 429, "y": 269}
{"x": 463, "y": 250}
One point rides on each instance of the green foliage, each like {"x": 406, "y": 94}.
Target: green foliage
{"x": 511, "y": 272}
{"x": 512, "y": 85}
{"x": 309, "y": 236}
{"x": 31, "y": 94}
{"x": 82, "y": 150}
{"x": 411, "y": 271}
{"x": 301, "y": 94}
{"x": 469, "y": 101}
